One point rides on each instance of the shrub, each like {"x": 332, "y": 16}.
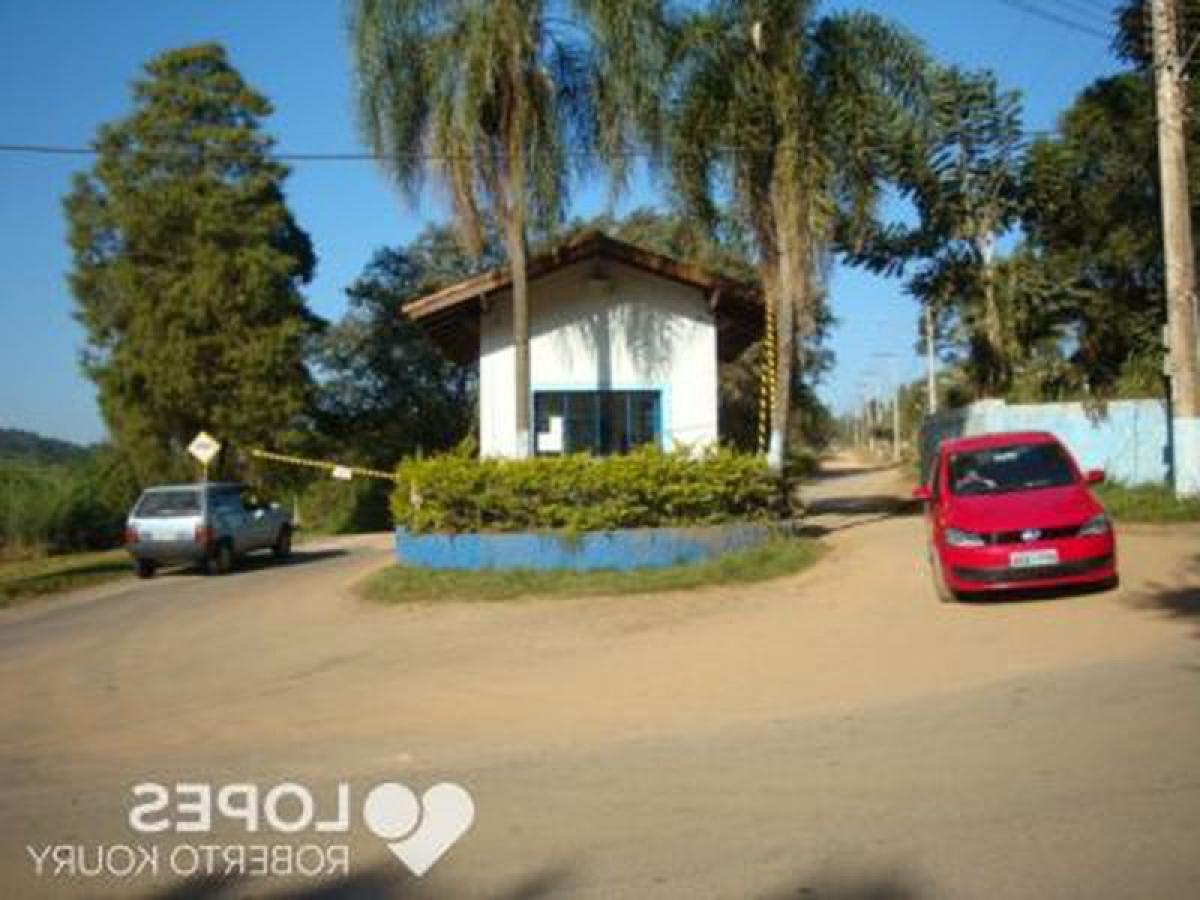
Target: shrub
{"x": 647, "y": 488}
{"x": 329, "y": 506}
{"x": 801, "y": 465}
{"x": 61, "y": 507}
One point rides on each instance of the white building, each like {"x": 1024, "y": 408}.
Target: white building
{"x": 624, "y": 347}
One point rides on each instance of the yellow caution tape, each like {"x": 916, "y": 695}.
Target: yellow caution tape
{"x": 324, "y": 465}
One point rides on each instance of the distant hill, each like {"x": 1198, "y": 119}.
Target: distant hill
{"x": 26, "y": 446}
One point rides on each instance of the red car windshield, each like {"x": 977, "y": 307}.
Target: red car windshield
{"x": 1001, "y": 470}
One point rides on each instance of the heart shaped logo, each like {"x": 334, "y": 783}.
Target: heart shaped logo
{"x": 419, "y": 832}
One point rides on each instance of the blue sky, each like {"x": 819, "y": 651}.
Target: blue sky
{"x": 67, "y": 65}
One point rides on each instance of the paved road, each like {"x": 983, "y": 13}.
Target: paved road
{"x": 834, "y": 734}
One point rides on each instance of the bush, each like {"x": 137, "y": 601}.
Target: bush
{"x": 64, "y": 507}
{"x": 329, "y": 506}
{"x": 647, "y": 488}
{"x": 801, "y": 465}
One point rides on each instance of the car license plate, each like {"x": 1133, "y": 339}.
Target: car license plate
{"x": 1032, "y": 559}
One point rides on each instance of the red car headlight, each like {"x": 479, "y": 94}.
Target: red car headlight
{"x": 1097, "y": 524}
{"x": 956, "y": 537}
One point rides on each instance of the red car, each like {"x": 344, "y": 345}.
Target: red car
{"x": 1012, "y": 511}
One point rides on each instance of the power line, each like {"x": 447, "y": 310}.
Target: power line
{"x": 322, "y": 156}
{"x": 1080, "y": 8}
{"x": 1029, "y": 8}
{"x": 1063, "y": 15}
{"x": 29, "y": 149}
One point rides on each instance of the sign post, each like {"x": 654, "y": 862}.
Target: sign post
{"x": 204, "y": 447}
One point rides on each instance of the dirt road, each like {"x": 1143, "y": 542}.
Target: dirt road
{"x": 837, "y": 733}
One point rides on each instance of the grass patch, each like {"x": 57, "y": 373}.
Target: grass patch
{"x": 21, "y": 579}
{"x": 405, "y": 584}
{"x": 1146, "y": 503}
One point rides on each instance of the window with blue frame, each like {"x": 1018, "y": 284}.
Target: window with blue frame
{"x": 597, "y": 422}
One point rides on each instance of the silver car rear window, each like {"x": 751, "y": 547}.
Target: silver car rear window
{"x": 164, "y": 504}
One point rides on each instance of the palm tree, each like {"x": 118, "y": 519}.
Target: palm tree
{"x": 789, "y": 115}
{"x": 961, "y": 170}
{"x": 486, "y": 95}
{"x": 973, "y": 197}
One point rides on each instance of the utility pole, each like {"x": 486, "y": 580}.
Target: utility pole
{"x": 895, "y": 390}
{"x": 930, "y": 362}
{"x": 1182, "y": 327}
{"x": 896, "y": 425}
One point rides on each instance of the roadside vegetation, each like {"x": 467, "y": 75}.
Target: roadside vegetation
{"x": 53, "y": 504}
{"x": 1146, "y": 503}
{"x": 29, "y": 577}
{"x": 404, "y": 584}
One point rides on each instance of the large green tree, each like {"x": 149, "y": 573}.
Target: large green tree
{"x": 789, "y": 115}
{"x": 1091, "y": 264}
{"x": 386, "y": 391}
{"x": 187, "y": 268}
{"x": 1094, "y": 216}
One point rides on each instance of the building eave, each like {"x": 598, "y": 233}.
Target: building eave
{"x": 450, "y": 316}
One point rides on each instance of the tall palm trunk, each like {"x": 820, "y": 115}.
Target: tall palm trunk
{"x": 792, "y": 294}
{"x": 514, "y": 245}
{"x": 993, "y": 323}
{"x": 785, "y": 318}
{"x": 514, "y": 191}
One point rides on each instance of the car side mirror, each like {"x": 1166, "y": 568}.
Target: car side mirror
{"x": 922, "y": 492}
{"x": 1094, "y": 476}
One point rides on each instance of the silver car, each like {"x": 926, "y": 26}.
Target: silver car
{"x": 212, "y": 523}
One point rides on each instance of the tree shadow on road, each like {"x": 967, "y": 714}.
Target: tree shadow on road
{"x": 259, "y": 561}
{"x": 865, "y": 504}
{"x": 1179, "y": 600}
{"x": 386, "y": 881}
{"x": 856, "y": 510}
{"x": 841, "y": 886}
{"x": 299, "y": 557}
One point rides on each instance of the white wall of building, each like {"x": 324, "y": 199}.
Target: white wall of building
{"x": 631, "y": 331}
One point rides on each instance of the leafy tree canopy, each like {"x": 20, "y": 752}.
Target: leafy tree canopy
{"x": 1093, "y": 215}
{"x": 188, "y": 267}
{"x": 387, "y": 392}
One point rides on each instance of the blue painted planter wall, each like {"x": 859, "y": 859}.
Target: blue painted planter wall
{"x": 635, "y": 548}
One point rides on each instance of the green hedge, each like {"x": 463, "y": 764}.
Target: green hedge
{"x": 648, "y": 488}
